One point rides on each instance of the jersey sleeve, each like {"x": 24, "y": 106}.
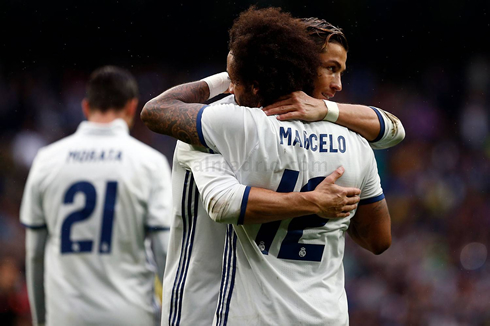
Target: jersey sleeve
{"x": 31, "y": 209}
{"x": 230, "y": 130}
{"x": 371, "y": 190}
{"x": 160, "y": 201}
{"x": 391, "y": 130}
{"x": 224, "y": 198}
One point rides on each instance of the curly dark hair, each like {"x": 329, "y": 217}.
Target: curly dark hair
{"x": 322, "y": 32}
{"x": 273, "y": 51}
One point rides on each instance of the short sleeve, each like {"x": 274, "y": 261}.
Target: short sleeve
{"x": 371, "y": 190}
{"x": 160, "y": 201}
{"x": 230, "y": 130}
{"x": 224, "y": 198}
{"x": 31, "y": 210}
{"x": 391, "y": 130}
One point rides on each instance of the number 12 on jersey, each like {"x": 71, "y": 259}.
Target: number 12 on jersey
{"x": 82, "y": 246}
{"x": 290, "y": 246}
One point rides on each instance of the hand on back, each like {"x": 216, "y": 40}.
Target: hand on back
{"x": 333, "y": 200}
{"x": 298, "y": 106}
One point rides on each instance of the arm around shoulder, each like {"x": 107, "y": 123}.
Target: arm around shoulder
{"x": 175, "y": 111}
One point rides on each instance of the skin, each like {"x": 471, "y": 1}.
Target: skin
{"x": 126, "y": 113}
{"x": 174, "y": 113}
{"x": 300, "y": 106}
{"x": 244, "y": 95}
{"x": 329, "y": 81}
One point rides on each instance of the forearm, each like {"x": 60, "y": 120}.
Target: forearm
{"x": 35, "y": 243}
{"x": 174, "y": 112}
{"x": 382, "y": 129}
{"x": 267, "y": 206}
{"x": 359, "y": 118}
{"x": 159, "y": 243}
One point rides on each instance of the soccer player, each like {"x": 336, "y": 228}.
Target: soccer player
{"x": 194, "y": 262}
{"x": 92, "y": 204}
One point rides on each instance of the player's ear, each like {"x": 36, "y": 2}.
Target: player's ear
{"x": 85, "y": 108}
{"x": 131, "y": 107}
{"x": 255, "y": 88}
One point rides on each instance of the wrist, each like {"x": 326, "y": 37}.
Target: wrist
{"x": 217, "y": 83}
{"x": 309, "y": 202}
{"x": 332, "y": 111}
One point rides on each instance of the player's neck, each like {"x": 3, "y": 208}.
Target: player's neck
{"x": 106, "y": 117}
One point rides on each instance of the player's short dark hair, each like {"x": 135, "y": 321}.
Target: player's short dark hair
{"x": 111, "y": 87}
{"x": 322, "y": 32}
{"x": 273, "y": 50}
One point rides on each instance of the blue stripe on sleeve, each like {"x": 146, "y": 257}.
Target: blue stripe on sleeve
{"x": 244, "y": 206}
{"x": 34, "y": 227}
{"x": 372, "y": 200}
{"x": 381, "y": 125}
{"x": 199, "y": 126}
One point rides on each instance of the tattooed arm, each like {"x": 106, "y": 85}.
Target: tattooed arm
{"x": 174, "y": 112}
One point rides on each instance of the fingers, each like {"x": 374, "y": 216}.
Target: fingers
{"x": 332, "y": 177}
{"x": 277, "y": 104}
{"x": 351, "y": 192}
{"x": 280, "y": 110}
{"x": 348, "y": 208}
{"x": 352, "y": 200}
{"x": 342, "y": 212}
{"x": 295, "y": 115}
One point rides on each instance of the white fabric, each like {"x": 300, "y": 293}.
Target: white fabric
{"x": 332, "y": 112}
{"x": 393, "y": 134}
{"x": 193, "y": 270}
{"x": 262, "y": 289}
{"x": 112, "y": 282}
{"x": 217, "y": 84}
{"x": 219, "y": 189}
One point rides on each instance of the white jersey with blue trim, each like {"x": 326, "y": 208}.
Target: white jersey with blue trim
{"x": 194, "y": 261}
{"x": 287, "y": 272}
{"x": 98, "y": 192}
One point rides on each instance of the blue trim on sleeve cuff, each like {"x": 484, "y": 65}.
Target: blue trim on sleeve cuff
{"x": 199, "y": 126}
{"x": 157, "y": 228}
{"x": 34, "y": 227}
{"x": 382, "y": 126}
{"x": 372, "y": 200}
{"x": 241, "y": 218}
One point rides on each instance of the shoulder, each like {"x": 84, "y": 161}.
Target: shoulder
{"x": 54, "y": 151}
{"x": 230, "y": 99}
{"x": 232, "y": 111}
{"x": 145, "y": 152}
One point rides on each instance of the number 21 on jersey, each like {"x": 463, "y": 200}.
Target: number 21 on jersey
{"x": 88, "y": 190}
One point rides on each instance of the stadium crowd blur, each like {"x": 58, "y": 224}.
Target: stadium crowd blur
{"x": 437, "y": 271}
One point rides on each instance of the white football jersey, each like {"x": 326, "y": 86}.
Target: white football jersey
{"x": 193, "y": 269}
{"x": 98, "y": 192}
{"x": 287, "y": 272}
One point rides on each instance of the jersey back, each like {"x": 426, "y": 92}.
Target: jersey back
{"x": 98, "y": 192}
{"x": 286, "y": 272}
{"x": 194, "y": 260}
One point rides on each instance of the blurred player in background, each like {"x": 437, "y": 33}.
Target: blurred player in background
{"x": 182, "y": 123}
{"x": 92, "y": 202}
{"x": 193, "y": 281}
